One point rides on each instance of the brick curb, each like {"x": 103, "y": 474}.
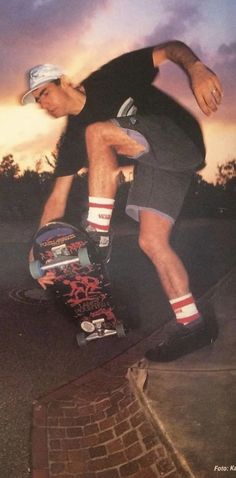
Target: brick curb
{"x": 97, "y": 427}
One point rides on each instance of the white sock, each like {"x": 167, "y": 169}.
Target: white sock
{"x": 185, "y": 309}
{"x": 100, "y": 212}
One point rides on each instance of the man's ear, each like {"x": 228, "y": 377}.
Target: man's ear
{"x": 65, "y": 82}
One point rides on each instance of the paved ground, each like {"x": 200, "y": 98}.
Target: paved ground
{"x": 39, "y": 355}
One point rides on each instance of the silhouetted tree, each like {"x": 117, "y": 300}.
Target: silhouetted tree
{"x": 226, "y": 172}
{"x": 8, "y": 167}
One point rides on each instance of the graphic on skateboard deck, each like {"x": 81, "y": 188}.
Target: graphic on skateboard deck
{"x": 81, "y": 285}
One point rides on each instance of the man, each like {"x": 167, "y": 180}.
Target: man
{"x": 116, "y": 112}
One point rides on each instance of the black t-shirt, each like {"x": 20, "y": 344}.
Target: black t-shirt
{"x": 107, "y": 90}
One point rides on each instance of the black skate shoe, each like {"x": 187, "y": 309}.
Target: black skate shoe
{"x": 176, "y": 340}
{"x": 102, "y": 242}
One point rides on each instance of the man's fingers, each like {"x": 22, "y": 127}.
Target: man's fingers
{"x": 203, "y": 104}
{"x": 217, "y": 95}
{"x": 48, "y": 279}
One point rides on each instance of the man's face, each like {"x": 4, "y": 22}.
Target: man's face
{"x": 53, "y": 99}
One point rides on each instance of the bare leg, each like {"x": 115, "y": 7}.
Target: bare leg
{"x": 154, "y": 241}
{"x": 104, "y": 141}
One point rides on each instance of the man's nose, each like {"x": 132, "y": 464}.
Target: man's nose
{"x": 43, "y": 103}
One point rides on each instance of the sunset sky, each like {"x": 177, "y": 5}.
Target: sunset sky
{"x": 80, "y": 35}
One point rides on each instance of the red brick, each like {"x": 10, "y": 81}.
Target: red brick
{"x": 130, "y": 438}
{"x": 165, "y": 465}
{"x": 102, "y": 405}
{"x": 91, "y": 429}
{"x": 52, "y": 422}
{"x": 174, "y": 474}
{"x": 107, "y": 423}
{"x": 122, "y": 415}
{"x": 39, "y": 448}
{"x": 55, "y": 444}
{"x": 147, "y": 430}
{"x": 137, "y": 419}
{"x": 161, "y": 451}
{"x": 97, "y": 464}
{"x": 55, "y": 432}
{"x": 148, "y": 459}
{"x": 71, "y": 443}
{"x": 122, "y": 428}
{"x": 74, "y": 432}
{"x": 90, "y": 440}
{"x": 112, "y": 411}
{"x": 106, "y": 436}
{"x": 134, "y": 407}
{"x": 85, "y": 475}
{"x": 153, "y": 441}
{"x": 54, "y": 410}
{"x": 78, "y": 455}
{"x": 116, "y": 459}
{"x": 39, "y": 415}
{"x": 71, "y": 412}
{"x": 114, "y": 445}
{"x": 68, "y": 404}
{"x": 77, "y": 467}
{"x": 40, "y": 474}
{"x": 127, "y": 402}
{"x": 116, "y": 397}
{"x": 58, "y": 455}
{"x": 86, "y": 411}
{"x": 82, "y": 421}
{"x": 98, "y": 416}
{"x": 146, "y": 473}
{"x": 133, "y": 451}
{"x": 57, "y": 468}
{"x": 129, "y": 468}
{"x": 59, "y": 475}
{"x": 73, "y": 422}
{"x": 97, "y": 451}
{"x": 108, "y": 474}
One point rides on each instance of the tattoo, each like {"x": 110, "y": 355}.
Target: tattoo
{"x": 180, "y": 53}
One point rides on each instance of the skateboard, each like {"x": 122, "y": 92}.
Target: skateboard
{"x": 82, "y": 285}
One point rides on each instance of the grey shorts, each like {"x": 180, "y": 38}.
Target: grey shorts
{"x": 164, "y": 171}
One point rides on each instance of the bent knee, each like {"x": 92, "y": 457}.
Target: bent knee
{"x": 96, "y": 131}
{"x": 152, "y": 245}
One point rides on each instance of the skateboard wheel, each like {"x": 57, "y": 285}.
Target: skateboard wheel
{"x": 81, "y": 339}
{"x": 87, "y": 326}
{"x": 35, "y": 269}
{"x": 120, "y": 329}
{"x": 84, "y": 257}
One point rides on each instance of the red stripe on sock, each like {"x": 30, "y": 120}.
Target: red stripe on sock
{"x": 187, "y": 320}
{"x": 182, "y": 303}
{"x": 102, "y": 206}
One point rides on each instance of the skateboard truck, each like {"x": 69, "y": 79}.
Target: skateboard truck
{"x": 61, "y": 258}
{"x": 96, "y": 330}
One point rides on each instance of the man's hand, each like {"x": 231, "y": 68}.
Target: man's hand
{"x": 47, "y": 279}
{"x": 206, "y": 87}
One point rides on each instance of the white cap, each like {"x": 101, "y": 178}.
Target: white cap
{"x": 38, "y": 76}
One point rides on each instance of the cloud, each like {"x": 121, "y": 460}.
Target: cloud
{"x": 39, "y": 31}
{"x": 181, "y": 16}
{"x": 225, "y": 66}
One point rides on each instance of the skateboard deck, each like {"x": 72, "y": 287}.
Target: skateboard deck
{"x": 81, "y": 285}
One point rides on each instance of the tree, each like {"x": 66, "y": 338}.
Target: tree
{"x": 226, "y": 172}
{"x": 8, "y": 167}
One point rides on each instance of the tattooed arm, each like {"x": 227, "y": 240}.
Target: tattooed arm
{"x": 205, "y": 84}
